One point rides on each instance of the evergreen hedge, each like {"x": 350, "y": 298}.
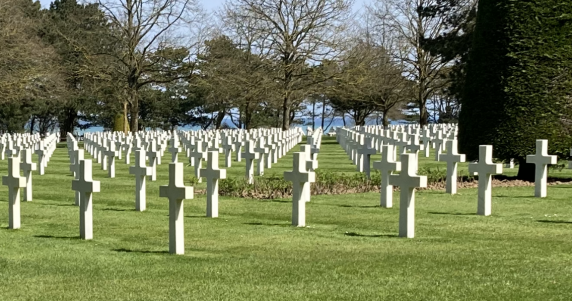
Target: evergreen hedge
{"x": 519, "y": 80}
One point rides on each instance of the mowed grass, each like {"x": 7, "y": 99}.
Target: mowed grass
{"x": 349, "y": 251}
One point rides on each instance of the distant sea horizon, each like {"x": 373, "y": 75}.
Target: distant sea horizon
{"x": 304, "y": 123}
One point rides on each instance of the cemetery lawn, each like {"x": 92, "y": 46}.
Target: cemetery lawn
{"x": 349, "y": 251}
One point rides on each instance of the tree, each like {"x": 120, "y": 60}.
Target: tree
{"x": 452, "y": 45}
{"x": 293, "y": 34}
{"x": 237, "y": 82}
{"x": 74, "y": 31}
{"x": 410, "y": 27}
{"x": 143, "y": 30}
{"x": 369, "y": 82}
{"x": 519, "y": 81}
{"x": 29, "y": 73}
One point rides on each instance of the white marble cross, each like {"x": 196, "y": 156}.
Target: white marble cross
{"x": 27, "y": 166}
{"x": 103, "y": 154}
{"x": 174, "y": 148}
{"x": 141, "y": 172}
{"x": 426, "y": 139}
{"x": 228, "y": 147}
{"x": 198, "y": 155}
{"x": 386, "y": 166}
{"x": 365, "y": 153}
{"x": 128, "y": 148}
{"x": 86, "y": 186}
{"x": 438, "y": 144}
{"x": 212, "y": 173}
{"x": 111, "y": 153}
{"x": 311, "y": 165}
{"x": 541, "y": 160}
{"x": 78, "y": 156}
{"x": 2, "y": 147}
{"x": 14, "y": 183}
{"x": 118, "y": 147}
{"x": 484, "y": 169}
{"x": 407, "y": 181}
{"x": 176, "y": 192}
{"x": 41, "y": 152}
{"x": 249, "y": 155}
{"x": 153, "y": 154}
{"x": 238, "y": 143}
{"x": 452, "y": 157}
{"x": 301, "y": 179}
{"x": 262, "y": 153}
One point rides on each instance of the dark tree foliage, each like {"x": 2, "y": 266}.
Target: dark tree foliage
{"x": 454, "y": 44}
{"x": 519, "y": 80}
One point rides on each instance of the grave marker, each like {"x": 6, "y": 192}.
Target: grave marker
{"x": 386, "y": 167}
{"x": 301, "y": 179}
{"x": 176, "y": 192}
{"x": 27, "y": 166}
{"x": 407, "y": 181}
{"x": 484, "y": 169}
{"x": 14, "y": 183}
{"x": 86, "y": 186}
{"x": 541, "y": 160}
{"x": 141, "y": 172}
{"x": 212, "y": 173}
{"x": 452, "y": 157}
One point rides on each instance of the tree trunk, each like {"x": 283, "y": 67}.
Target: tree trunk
{"x": 526, "y": 171}
{"x": 285, "y": 115}
{"x": 134, "y": 110}
{"x": 313, "y": 115}
{"x": 323, "y": 113}
{"x": 384, "y": 121}
{"x": 422, "y": 115}
{"x": 219, "y": 118}
{"x": 125, "y": 119}
{"x": 247, "y": 117}
{"x": 66, "y": 122}
{"x": 32, "y": 124}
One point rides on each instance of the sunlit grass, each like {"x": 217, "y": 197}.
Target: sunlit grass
{"x": 349, "y": 251}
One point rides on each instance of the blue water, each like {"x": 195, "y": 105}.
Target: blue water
{"x": 337, "y": 122}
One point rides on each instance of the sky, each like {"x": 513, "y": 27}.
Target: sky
{"x": 212, "y": 5}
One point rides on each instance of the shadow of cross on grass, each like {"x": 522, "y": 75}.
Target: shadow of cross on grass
{"x": 451, "y": 213}
{"x": 554, "y": 222}
{"x": 369, "y": 235}
{"x": 268, "y": 224}
{"x": 57, "y": 237}
{"x": 124, "y": 250}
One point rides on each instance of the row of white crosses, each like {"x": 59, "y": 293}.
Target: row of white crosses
{"x": 261, "y": 146}
{"x": 15, "y": 182}
{"x": 196, "y": 145}
{"x": 360, "y": 148}
{"x": 18, "y": 149}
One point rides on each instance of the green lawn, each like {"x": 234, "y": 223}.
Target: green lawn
{"x": 349, "y": 251}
